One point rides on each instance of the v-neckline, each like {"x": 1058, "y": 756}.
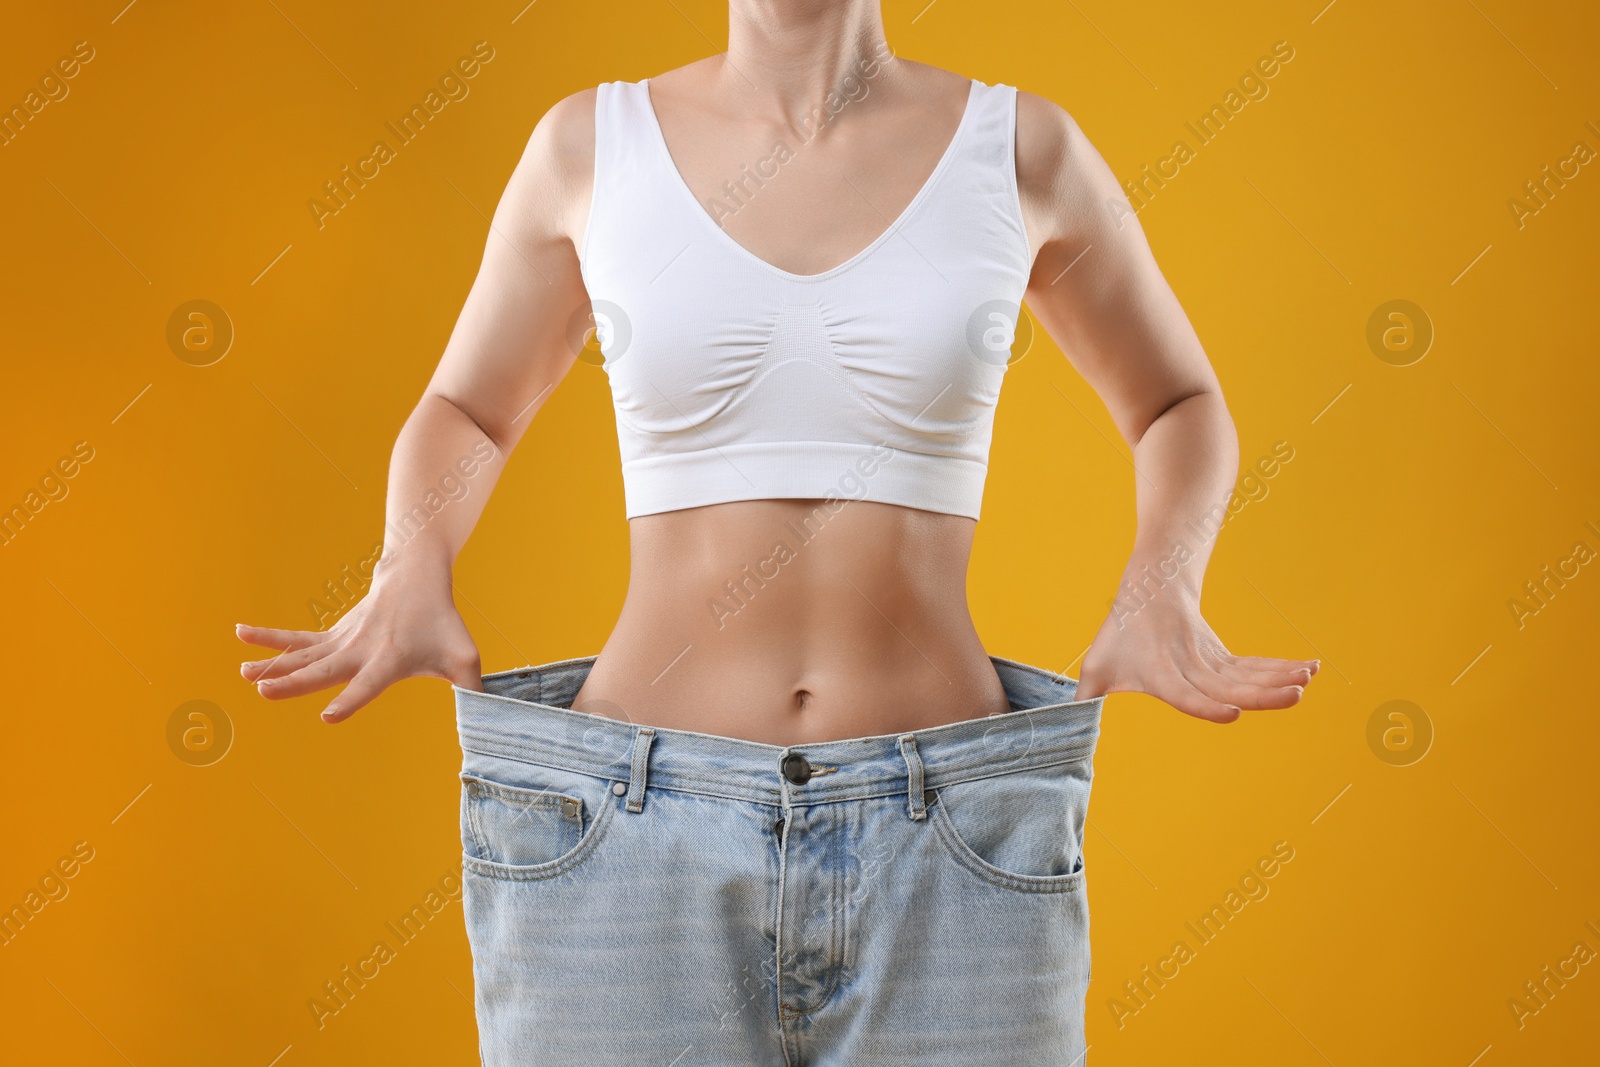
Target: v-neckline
{"x": 694, "y": 202}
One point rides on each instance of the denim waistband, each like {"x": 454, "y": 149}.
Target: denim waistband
{"x": 525, "y": 714}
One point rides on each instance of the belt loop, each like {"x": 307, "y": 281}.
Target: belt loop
{"x": 641, "y": 753}
{"x": 908, "y": 749}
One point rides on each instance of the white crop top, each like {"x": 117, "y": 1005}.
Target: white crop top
{"x": 733, "y": 379}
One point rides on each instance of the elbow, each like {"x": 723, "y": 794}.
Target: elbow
{"x": 1204, "y": 397}
{"x": 502, "y": 442}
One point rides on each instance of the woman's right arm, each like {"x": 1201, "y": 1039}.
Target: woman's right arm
{"x": 509, "y": 350}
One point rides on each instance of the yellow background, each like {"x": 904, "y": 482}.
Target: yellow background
{"x": 220, "y": 898}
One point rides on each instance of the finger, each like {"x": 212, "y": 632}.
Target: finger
{"x": 285, "y": 663}
{"x": 282, "y": 639}
{"x": 371, "y": 680}
{"x": 1226, "y": 666}
{"x": 338, "y": 667}
{"x": 1182, "y": 694}
{"x": 1240, "y": 694}
{"x": 1271, "y": 663}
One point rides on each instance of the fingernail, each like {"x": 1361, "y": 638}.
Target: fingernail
{"x": 243, "y": 667}
{"x": 330, "y": 711}
{"x": 267, "y": 682}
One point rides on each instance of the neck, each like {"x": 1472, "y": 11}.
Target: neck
{"x": 787, "y": 57}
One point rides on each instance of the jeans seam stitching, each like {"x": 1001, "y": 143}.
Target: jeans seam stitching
{"x": 1064, "y": 883}
{"x": 506, "y": 872}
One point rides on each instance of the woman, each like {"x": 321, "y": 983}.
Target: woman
{"x": 793, "y": 812}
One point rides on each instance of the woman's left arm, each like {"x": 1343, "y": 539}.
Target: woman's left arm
{"x": 1097, "y": 291}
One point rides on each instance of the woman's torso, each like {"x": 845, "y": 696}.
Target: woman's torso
{"x": 793, "y": 620}
{"x": 860, "y": 627}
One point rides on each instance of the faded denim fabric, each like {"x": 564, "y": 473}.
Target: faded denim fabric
{"x": 646, "y": 897}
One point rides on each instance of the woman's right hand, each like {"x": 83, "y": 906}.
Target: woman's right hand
{"x": 406, "y": 626}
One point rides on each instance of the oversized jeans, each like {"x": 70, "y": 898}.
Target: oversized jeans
{"x": 637, "y": 896}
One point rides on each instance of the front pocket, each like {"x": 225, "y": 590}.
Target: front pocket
{"x": 1021, "y": 829}
{"x": 545, "y": 823}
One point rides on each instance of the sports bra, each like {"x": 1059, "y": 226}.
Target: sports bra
{"x": 733, "y": 379}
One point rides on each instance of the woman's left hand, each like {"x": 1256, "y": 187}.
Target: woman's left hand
{"x": 1166, "y": 649}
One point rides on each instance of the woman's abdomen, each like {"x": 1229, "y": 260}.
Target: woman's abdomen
{"x": 791, "y": 621}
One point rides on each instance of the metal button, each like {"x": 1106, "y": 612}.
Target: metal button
{"x": 618, "y": 788}
{"x": 796, "y": 769}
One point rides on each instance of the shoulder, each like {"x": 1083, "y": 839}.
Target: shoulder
{"x": 1058, "y": 170}
{"x": 1046, "y": 136}
{"x": 562, "y": 141}
{"x": 549, "y": 190}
